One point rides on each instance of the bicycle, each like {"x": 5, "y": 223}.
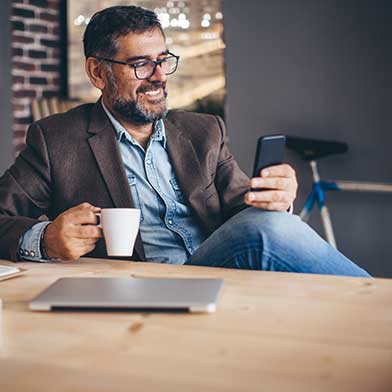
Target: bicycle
{"x": 311, "y": 150}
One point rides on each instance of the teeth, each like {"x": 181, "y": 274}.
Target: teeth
{"x": 153, "y": 92}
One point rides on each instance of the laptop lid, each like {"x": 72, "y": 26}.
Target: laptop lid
{"x": 194, "y": 295}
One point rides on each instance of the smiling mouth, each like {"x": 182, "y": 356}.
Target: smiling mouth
{"x": 153, "y": 96}
{"x": 153, "y": 93}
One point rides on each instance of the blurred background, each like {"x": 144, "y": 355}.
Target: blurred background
{"x": 193, "y": 31}
{"x": 311, "y": 68}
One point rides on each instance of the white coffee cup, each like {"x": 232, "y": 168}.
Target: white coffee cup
{"x": 120, "y": 227}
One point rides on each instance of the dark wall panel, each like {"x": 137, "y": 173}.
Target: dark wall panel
{"x": 319, "y": 69}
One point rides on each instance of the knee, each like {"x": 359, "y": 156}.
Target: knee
{"x": 269, "y": 225}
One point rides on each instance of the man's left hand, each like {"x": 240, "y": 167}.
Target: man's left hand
{"x": 279, "y": 185}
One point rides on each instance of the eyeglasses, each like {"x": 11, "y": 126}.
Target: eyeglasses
{"x": 146, "y": 68}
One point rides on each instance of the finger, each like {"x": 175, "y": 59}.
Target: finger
{"x": 281, "y": 183}
{"x": 76, "y": 249}
{"x": 81, "y": 232}
{"x": 84, "y": 206}
{"x": 87, "y": 249}
{"x": 275, "y": 196}
{"x": 271, "y": 206}
{"x": 81, "y": 245}
{"x": 87, "y": 232}
{"x": 283, "y": 170}
{"x": 91, "y": 241}
{"x": 81, "y": 217}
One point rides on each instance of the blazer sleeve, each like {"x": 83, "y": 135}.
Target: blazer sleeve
{"x": 231, "y": 182}
{"x": 25, "y": 191}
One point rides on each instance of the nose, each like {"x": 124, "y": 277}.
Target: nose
{"x": 158, "y": 74}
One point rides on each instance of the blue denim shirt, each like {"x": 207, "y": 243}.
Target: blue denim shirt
{"x": 169, "y": 230}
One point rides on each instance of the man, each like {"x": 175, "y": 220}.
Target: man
{"x": 129, "y": 150}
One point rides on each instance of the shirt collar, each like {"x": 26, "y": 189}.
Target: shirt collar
{"x": 158, "y": 135}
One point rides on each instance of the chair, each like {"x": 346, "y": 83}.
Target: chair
{"x": 43, "y": 107}
{"x": 311, "y": 150}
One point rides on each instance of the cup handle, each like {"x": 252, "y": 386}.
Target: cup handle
{"x": 99, "y": 224}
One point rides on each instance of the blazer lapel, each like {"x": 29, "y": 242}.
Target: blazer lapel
{"x": 186, "y": 166}
{"x": 106, "y": 151}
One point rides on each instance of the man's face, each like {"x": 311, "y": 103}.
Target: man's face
{"x": 137, "y": 101}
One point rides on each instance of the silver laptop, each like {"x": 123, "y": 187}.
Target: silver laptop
{"x": 194, "y": 295}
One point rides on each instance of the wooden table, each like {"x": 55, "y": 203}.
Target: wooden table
{"x": 272, "y": 332}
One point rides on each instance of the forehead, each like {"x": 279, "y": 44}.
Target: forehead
{"x": 149, "y": 43}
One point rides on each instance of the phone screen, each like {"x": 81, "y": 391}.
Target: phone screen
{"x": 270, "y": 152}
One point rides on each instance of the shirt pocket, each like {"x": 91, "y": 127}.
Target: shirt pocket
{"x": 135, "y": 194}
{"x": 177, "y": 190}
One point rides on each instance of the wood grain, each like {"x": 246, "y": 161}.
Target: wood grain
{"x": 272, "y": 332}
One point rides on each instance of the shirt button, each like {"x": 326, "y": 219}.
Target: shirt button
{"x": 148, "y": 161}
{"x": 32, "y": 253}
{"x": 26, "y": 252}
{"x": 170, "y": 222}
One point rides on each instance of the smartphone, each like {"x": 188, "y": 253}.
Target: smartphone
{"x": 270, "y": 152}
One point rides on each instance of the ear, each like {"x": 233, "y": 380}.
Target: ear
{"x": 95, "y": 72}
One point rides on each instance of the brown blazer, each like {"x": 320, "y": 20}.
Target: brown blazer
{"x": 74, "y": 157}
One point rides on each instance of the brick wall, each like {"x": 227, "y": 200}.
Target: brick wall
{"x": 35, "y": 26}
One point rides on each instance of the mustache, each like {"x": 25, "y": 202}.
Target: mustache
{"x": 151, "y": 86}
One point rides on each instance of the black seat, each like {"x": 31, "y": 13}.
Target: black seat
{"x": 312, "y": 149}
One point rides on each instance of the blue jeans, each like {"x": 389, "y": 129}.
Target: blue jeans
{"x": 271, "y": 241}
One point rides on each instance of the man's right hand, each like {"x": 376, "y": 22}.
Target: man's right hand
{"x": 73, "y": 233}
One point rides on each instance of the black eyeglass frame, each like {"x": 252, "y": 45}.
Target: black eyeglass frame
{"x": 135, "y": 66}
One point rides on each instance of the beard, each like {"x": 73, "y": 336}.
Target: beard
{"x": 136, "y": 111}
